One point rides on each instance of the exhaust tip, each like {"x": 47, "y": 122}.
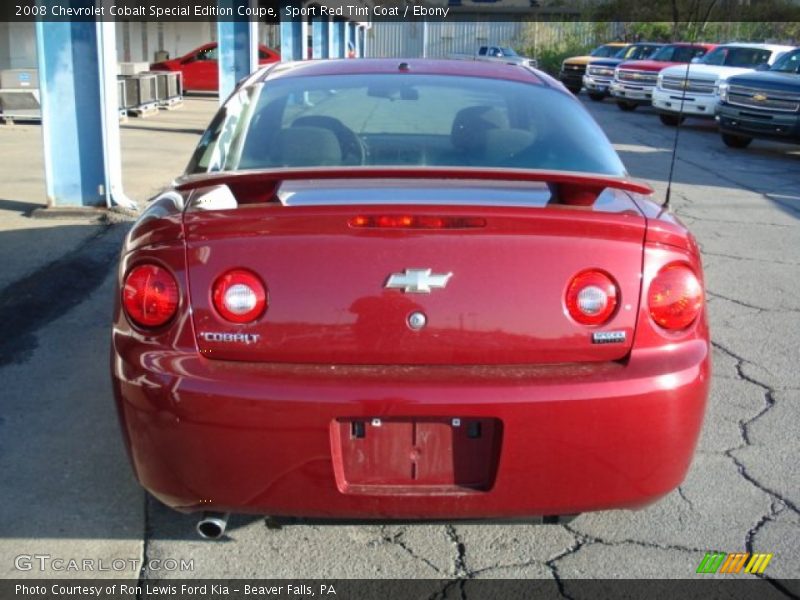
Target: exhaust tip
{"x": 212, "y": 525}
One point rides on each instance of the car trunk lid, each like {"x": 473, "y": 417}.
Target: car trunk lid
{"x": 482, "y": 266}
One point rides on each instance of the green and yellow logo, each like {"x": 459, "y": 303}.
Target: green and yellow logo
{"x": 720, "y": 562}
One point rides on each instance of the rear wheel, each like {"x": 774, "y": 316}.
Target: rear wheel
{"x": 736, "y": 141}
{"x": 671, "y": 120}
{"x": 574, "y": 90}
{"x": 626, "y": 106}
{"x": 597, "y": 96}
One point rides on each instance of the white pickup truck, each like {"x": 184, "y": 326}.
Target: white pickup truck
{"x": 677, "y": 97}
{"x": 500, "y": 54}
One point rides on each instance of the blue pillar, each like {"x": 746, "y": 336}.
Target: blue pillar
{"x": 359, "y": 41}
{"x": 292, "y": 43}
{"x": 348, "y": 36}
{"x": 320, "y": 36}
{"x": 338, "y": 44}
{"x": 238, "y": 47}
{"x": 80, "y": 114}
{"x": 333, "y": 49}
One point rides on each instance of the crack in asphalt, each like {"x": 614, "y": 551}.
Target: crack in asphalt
{"x": 744, "y": 304}
{"x": 589, "y": 539}
{"x": 778, "y": 500}
{"x": 552, "y": 564}
{"x": 739, "y": 302}
{"x": 460, "y": 560}
{"x": 776, "y": 508}
{"x": 147, "y": 534}
{"x": 685, "y": 498}
{"x": 397, "y": 540}
{"x": 770, "y": 261}
{"x": 716, "y": 220}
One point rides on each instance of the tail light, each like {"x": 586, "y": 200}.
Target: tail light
{"x": 592, "y": 297}
{"x": 239, "y": 296}
{"x": 415, "y": 222}
{"x": 675, "y": 297}
{"x": 150, "y": 295}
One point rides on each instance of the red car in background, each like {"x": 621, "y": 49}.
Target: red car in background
{"x": 199, "y": 67}
{"x": 635, "y": 80}
{"x": 431, "y": 292}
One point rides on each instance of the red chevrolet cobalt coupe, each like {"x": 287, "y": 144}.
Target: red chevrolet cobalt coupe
{"x": 408, "y": 290}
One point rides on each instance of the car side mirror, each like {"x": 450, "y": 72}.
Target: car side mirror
{"x": 762, "y": 67}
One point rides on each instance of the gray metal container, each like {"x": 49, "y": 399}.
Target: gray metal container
{"x": 19, "y": 79}
{"x": 129, "y": 96}
{"x": 20, "y": 104}
{"x": 147, "y": 88}
{"x": 168, "y": 85}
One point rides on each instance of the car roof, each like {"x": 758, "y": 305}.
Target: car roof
{"x": 693, "y": 45}
{"x": 775, "y": 47}
{"x": 374, "y": 66}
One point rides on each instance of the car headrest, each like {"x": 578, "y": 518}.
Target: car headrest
{"x": 503, "y": 145}
{"x": 471, "y": 124}
{"x": 306, "y": 147}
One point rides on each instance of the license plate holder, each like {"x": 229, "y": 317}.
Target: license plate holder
{"x": 415, "y": 455}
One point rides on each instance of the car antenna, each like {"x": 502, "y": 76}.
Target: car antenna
{"x": 668, "y": 195}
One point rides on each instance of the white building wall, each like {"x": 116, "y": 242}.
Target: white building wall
{"x": 135, "y": 41}
{"x": 140, "y": 41}
{"x": 17, "y": 45}
{"x": 405, "y": 39}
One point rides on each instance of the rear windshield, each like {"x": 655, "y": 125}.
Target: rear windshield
{"x": 737, "y": 57}
{"x": 403, "y": 120}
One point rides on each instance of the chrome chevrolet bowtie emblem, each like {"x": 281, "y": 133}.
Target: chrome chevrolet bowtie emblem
{"x": 417, "y": 281}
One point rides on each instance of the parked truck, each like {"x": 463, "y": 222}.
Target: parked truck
{"x": 498, "y": 53}
{"x": 762, "y": 104}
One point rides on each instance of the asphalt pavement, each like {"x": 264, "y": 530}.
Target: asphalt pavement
{"x": 67, "y": 491}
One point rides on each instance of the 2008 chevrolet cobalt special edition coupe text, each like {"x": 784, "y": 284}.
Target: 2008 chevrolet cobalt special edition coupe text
{"x": 408, "y": 290}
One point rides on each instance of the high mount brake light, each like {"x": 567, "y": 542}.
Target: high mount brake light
{"x": 239, "y": 296}
{"x": 675, "y": 297}
{"x": 415, "y": 222}
{"x": 150, "y": 295}
{"x": 592, "y": 297}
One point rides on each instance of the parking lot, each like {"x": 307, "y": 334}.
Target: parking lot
{"x": 67, "y": 490}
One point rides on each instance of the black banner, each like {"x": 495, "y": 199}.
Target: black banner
{"x": 700, "y": 587}
{"x": 681, "y": 11}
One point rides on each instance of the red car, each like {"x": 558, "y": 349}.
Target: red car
{"x": 199, "y": 67}
{"x": 635, "y": 80}
{"x": 408, "y": 289}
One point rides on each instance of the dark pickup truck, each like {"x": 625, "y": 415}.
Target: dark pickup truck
{"x": 762, "y": 104}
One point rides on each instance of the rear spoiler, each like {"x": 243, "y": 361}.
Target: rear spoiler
{"x": 263, "y": 182}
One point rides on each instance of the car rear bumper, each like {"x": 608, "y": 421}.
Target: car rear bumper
{"x": 759, "y": 124}
{"x": 696, "y": 105}
{"x": 260, "y": 438}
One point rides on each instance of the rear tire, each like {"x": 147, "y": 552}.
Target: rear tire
{"x": 597, "y": 96}
{"x": 736, "y": 141}
{"x": 626, "y": 106}
{"x": 574, "y": 90}
{"x": 671, "y": 120}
